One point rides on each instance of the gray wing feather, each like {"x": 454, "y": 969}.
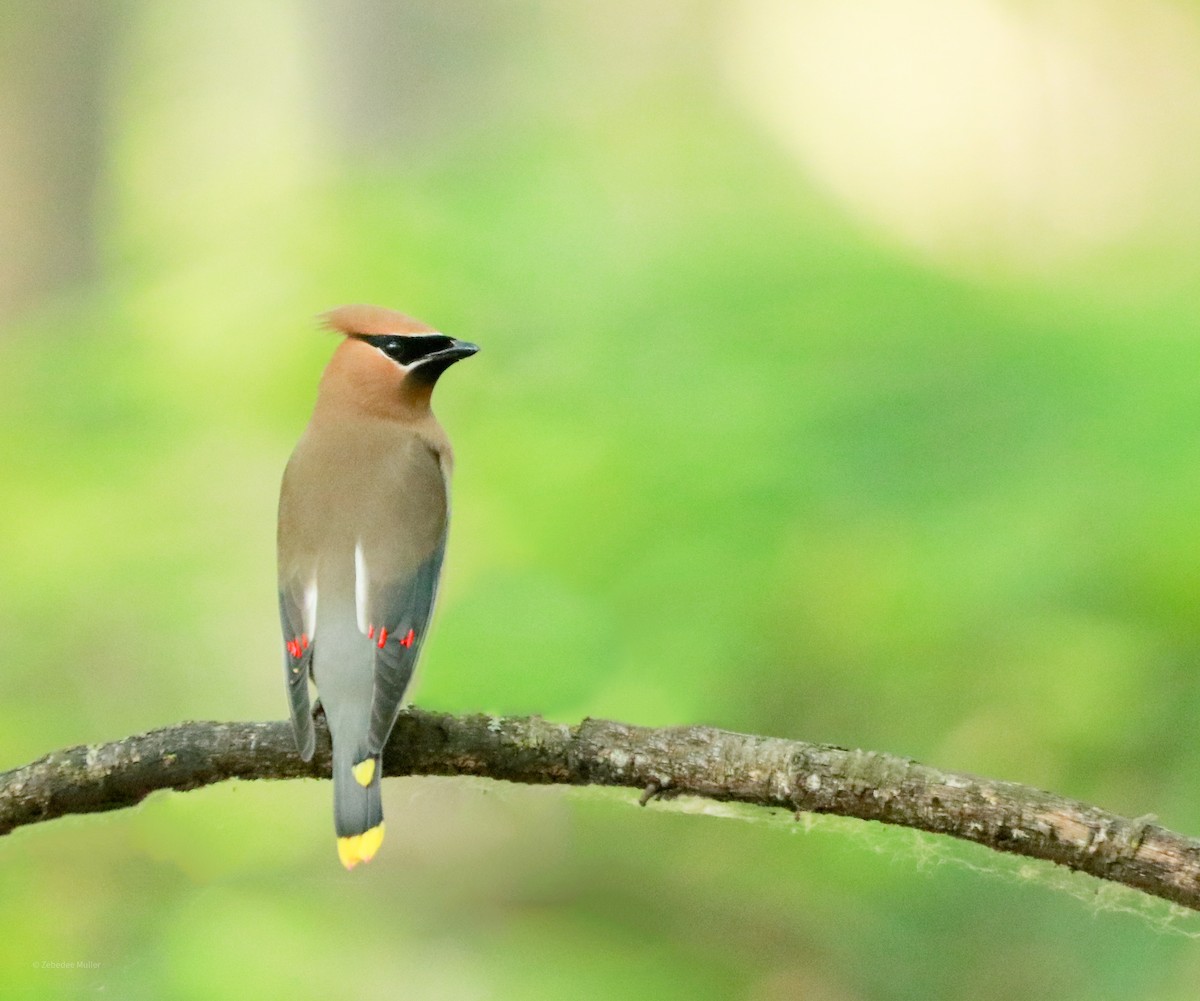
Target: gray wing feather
{"x": 296, "y": 670}
{"x": 404, "y": 606}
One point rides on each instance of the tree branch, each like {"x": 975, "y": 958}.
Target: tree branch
{"x": 694, "y": 761}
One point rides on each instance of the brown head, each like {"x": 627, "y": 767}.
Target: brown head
{"x": 388, "y": 363}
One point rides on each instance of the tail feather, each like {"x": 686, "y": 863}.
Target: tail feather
{"x": 357, "y": 805}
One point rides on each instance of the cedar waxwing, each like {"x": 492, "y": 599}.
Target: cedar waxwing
{"x": 363, "y": 514}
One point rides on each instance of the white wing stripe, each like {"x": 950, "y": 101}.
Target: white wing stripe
{"x": 308, "y": 612}
{"x": 361, "y": 587}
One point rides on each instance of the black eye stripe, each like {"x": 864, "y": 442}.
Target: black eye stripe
{"x": 408, "y": 349}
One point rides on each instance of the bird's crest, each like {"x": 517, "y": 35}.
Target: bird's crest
{"x": 372, "y": 320}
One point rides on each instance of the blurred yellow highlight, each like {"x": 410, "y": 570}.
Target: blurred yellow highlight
{"x": 976, "y": 132}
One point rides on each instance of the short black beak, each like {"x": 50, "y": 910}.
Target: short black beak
{"x": 432, "y": 365}
{"x": 457, "y": 351}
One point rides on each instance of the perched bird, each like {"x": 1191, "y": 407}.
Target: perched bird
{"x": 363, "y": 513}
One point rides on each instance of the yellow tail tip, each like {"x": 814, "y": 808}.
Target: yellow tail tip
{"x": 370, "y": 842}
{"x": 364, "y": 771}
{"x": 360, "y": 847}
{"x": 348, "y": 850}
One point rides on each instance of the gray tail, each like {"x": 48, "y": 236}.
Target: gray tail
{"x": 357, "y": 808}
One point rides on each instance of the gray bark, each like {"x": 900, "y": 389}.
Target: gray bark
{"x": 694, "y": 761}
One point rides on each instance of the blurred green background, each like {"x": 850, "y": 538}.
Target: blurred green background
{"x": 841, "y": 381}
